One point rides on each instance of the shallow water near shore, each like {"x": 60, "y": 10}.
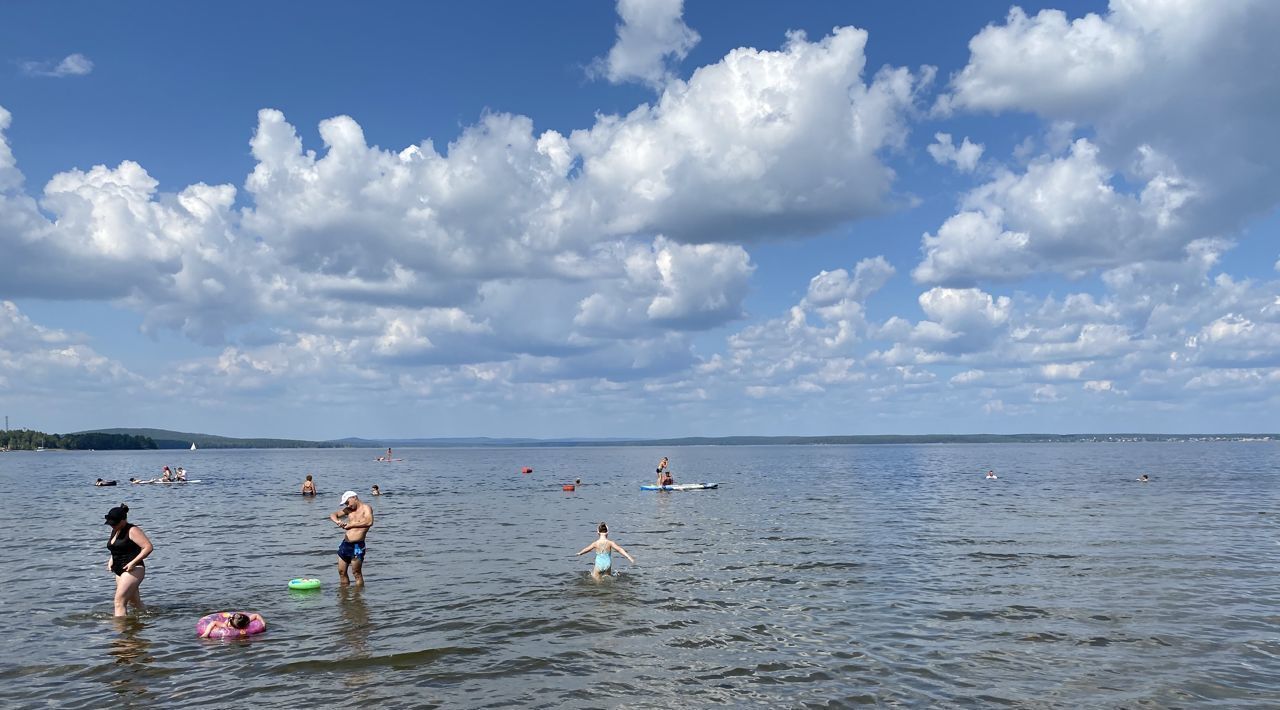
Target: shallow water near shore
{"x": 821, "y": 576}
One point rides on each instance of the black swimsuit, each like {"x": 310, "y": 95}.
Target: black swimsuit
{"x": 123, "y": 550}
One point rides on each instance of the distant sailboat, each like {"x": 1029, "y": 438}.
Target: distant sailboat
{"x": 193, "y": 446}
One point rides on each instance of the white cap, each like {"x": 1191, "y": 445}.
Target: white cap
{"x": 348, "y": 496}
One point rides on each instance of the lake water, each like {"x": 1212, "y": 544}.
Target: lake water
{"x": 821, "y": 576}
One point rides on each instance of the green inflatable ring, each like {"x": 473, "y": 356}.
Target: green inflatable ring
{"x": 304, "y": 583}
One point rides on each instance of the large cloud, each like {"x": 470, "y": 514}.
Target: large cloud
{"x": 1063, "y": 214}
{"x": 1173, "y": 93}
{"x": 761, "y": 145}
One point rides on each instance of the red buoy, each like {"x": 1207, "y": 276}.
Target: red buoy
{"x": 568, "y": 486}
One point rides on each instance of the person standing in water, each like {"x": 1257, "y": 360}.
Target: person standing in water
{"x": 991, "y": 475}
{"x": 308, "y": 486}
{"x": 664, "y": 473}
{"x": 128, "y": 546}
{"x": 604, "y": 548}
{"x": 359, "y": 518}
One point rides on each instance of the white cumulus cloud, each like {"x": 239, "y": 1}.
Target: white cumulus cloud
{"x": 1172, "y": 93}
{"x": 1063, "y": 214}
{"x": 651, "y": 37}
{"x": 965, "y": 156}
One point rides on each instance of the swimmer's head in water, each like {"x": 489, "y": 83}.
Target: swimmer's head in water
{"x": 117, "y": 515}
{"x": 308, "y": 477}
{"x": 602, "y": 528}
{"x": 239, "y": 620}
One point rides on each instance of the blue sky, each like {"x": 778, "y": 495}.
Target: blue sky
{"x": 644, "y": 219}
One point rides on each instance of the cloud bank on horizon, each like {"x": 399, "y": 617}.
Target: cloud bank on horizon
{"x": 597, "y": 281}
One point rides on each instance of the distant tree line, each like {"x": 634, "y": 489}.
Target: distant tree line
{"x": 29, "y": 440}
{"x": 228, "y": 443}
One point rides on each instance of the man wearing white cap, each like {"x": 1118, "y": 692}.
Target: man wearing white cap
{"x": 359, "y": 518}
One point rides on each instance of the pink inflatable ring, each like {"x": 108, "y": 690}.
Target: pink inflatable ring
{"x": 256, "y": 626}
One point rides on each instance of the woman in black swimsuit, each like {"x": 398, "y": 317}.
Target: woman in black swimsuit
{"x": 129, "y": 546}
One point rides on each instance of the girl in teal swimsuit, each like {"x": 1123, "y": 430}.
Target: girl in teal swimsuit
{"x": 604, "y": 549}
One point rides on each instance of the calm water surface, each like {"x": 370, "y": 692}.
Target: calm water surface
{"x": 815, "y": 576}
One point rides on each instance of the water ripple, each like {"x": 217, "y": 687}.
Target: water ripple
{"x": 817, "y": 577}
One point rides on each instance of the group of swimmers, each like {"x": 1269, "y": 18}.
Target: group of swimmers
{"x": 309, "y": 487}
{"x": 355, "y": 517}
{"x": 991, "y": 476}
{"x": 166, "y": 476}
{"x": 129, "y": 546}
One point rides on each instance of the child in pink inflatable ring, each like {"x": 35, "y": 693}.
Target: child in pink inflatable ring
{"x": 231, "y": 624}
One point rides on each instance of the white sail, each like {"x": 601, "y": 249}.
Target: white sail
{"x": 193, "y": 446}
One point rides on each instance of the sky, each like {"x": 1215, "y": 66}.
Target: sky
{"x": 648, "y": 218}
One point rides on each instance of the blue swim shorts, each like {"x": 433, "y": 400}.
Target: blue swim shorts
{"x": 348, "y": 550}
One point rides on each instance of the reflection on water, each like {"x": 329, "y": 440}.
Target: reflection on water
{"x": 819, "y": 576}
{"x": 355, "y": 633}
{"x": 129, "y": 646}
{"x": 132, "y": 654}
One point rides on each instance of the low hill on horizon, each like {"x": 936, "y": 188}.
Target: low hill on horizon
{"x": 167, "y": 439}
{"x": 464, "y": 441}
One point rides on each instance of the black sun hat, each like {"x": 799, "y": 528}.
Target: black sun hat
{"x": 116, "y": 514}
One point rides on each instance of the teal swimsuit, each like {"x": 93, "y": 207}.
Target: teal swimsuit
{"x": 604, "y": 562}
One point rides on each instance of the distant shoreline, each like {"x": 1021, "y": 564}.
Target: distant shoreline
{"x": 181, "y": 440}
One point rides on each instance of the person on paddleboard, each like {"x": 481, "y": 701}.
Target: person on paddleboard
{"x": 664, "y": 473}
